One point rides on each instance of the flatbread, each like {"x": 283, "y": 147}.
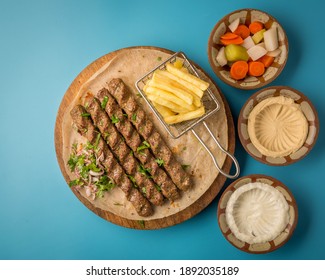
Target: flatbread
{"x": 130, "y": 65}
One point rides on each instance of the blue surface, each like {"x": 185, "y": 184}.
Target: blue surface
{"x": 45, "y": 44}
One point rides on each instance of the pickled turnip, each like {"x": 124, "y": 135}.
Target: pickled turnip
{"x": 271, "y": 39}
{"x": 221, "y": 57}
{"x": 233, "y": 26}
{"x": 256, "y": 52}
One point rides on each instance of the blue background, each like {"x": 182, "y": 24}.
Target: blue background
{"x": 43, "y": 47}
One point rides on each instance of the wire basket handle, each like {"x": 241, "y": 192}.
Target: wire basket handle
{"x": 222, "y": 149}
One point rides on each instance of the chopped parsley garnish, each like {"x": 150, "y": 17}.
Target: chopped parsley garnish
{"x": 97, "y": 141}
{"x": 93, "y": 167}
{"x": 132, "y": 179}
{"x": 76, "y": 161}
{"x": 158, "y": 187}
{"x": 185, "y": 166}
{"x": 85, "y": 115}
{"x": 160, "y": 161}
{"x": 72, "y": 162}
{"x": 118, "y": 204}
{"x": 106, "y": 134}
{"x": 103, "y": 184}
{"x": 84, "y": 164}
{"x": 145, "y": 171}
{"x": 159, "y": 58}
{"x": 145, "y": 145}
{"x": 144, "y": 190}
{"x": 134, "y": 117}
{"x": 89, "y": 146}
{"x": 104, "y": 102}
{"x": 75, "y": 182}
{"x": 141, "y": 223}
{"x": 115, "y": 119}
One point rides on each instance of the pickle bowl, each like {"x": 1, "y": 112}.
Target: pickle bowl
{"x": 246, "y": 17}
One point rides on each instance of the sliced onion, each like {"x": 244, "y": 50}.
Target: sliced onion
{"x": 100, "y": 157}
{"x": 88, "y": 191}
{"x": 96, "y": 174}
{"x": 100, "y": 166}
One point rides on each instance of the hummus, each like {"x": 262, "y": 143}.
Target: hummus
{"x": 277, "y": 127}
{"x": 257, "y": 213}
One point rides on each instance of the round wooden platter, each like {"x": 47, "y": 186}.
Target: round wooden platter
{"x": 171, "y": 220}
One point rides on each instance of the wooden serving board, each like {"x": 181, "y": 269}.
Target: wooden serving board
{"x": 170, "y": 220}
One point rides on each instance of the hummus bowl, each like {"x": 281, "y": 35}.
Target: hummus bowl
{"x": 278, "y": 125}
{"x": 246, "y": 16}
{"x": 257, "y": 214}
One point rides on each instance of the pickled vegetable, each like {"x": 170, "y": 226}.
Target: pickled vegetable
{"x": 271, "y": 39}
{"x": 233, "y": 26}
{"x": 221, "y": 57}
{"x": 258, "y": 36}
{"x": 248, "y": 43}
{"x": 235, "y": 52}
{"x": 256, "y": 52}
{"x": 239, "y": 70}
{"x": 248, "y": 49}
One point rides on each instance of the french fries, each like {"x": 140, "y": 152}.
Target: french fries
{"x": 203, "y": 85}
{"x": 184, "y": 83}
{"x": 167, "y": 75}
{"x": 185, "y": 116}
{"x": 171, "y": 105}
{"x": 171, "y": 86}
{"x": 176, "y": 94}
{"x": 163, "y": 110}
{"x": 170, "y": 97}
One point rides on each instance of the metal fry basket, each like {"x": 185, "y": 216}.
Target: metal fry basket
{"x": 209, "y": 101}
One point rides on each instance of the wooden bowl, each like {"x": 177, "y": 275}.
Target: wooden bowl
{"x": 246, "y": 17}
{"x": 258, "y": 248}
{"x": 307, "y": 108}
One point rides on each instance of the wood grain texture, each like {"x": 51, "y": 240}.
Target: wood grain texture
{"x": 171, "y": 220}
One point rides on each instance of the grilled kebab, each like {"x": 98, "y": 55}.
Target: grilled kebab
{"x": 122, "y": 152}
{"x": 87, "y": 129}
{"x": 146, "y": 129}
{"x": 133, "y": 139}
